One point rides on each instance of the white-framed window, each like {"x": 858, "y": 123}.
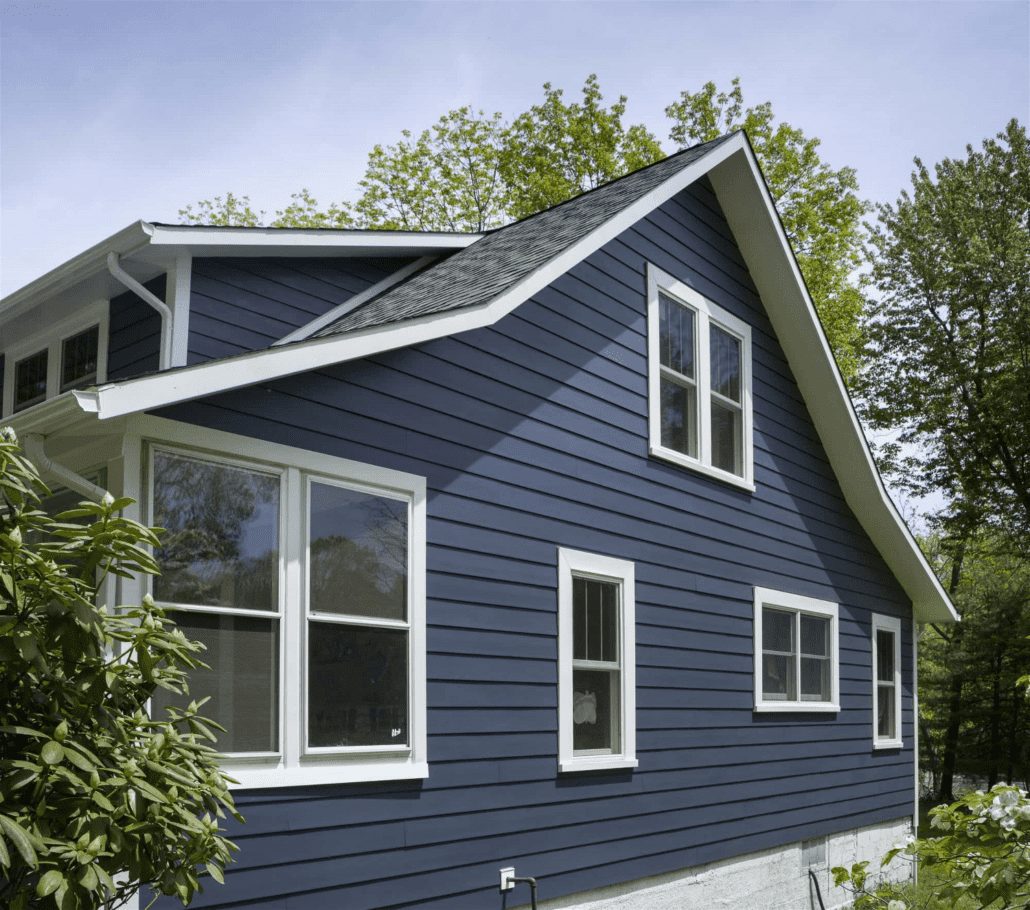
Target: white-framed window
{"x": 596, "y": 662}
{"x": 72, "y": 354}
{"x": 886, "y": 652}
{"x": 699, "y": 382}
{"x": 304, "y": 575}
{"x": 796, "y": 653}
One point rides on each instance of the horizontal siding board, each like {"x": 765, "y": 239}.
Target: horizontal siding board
{"x": 134, "y": 333}
{"x": 532, "y": 434}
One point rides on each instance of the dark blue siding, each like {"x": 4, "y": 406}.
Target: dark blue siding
{"x": 239, "y": 304}
{"x": 134, "y": 341}
{"x": 532, "y": 435}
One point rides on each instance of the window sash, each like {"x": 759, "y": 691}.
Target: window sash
{"x": 886, "y": 627}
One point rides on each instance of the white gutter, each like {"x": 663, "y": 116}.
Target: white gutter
{"x": 34, "y": 445}
{"x": 153, "y": 300}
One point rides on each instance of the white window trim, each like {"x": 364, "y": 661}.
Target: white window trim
{"x": 893, "y": 625}
{"x": 707, "y": 312}
{"x": 293, "y": 765}
{"x": 605, "y": 568}
{"x": 52, "y": 338}
{"x": 796, "y": 603}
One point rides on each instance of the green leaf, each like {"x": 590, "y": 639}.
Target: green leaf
{"x": 215, "y": 873}
{"x": 49, "y": 882}
{"x": 52, "y": 753}
{"x": 22, "y": 840}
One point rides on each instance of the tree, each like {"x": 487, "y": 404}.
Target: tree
{"x": 819, "y": 206}
{"x": 950, "y": 334}
{"x": 555, "y": 151}
{"x": 95, "y": 796}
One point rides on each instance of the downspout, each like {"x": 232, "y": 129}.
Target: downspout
{"x": 153, "y": 300}
{"x": 35, "y": 447}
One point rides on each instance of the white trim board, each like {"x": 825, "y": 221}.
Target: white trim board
{"x": 751, "y": 214}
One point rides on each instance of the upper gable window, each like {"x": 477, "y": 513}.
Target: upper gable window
{"x": 699, "y": 382}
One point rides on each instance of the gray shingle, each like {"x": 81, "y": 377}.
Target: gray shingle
{"x": 491, "y": 265}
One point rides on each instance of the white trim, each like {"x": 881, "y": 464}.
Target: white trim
{"x": 796, "y": 604}
{"x": 294, "y": 765}
{"x": 177, "y": 296}
{"x": 915, "y": 726}
{"x": 893, "y": 625}
{"x": 707, "y": 312}
{"x": 198, "y": 237}
{"x": 52, "y": 338}
{"x": 576, "y": 563}
{"x": 352, "y": 303}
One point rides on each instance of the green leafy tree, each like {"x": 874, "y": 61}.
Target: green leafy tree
{"x": 229, "y": 210}
{"x": 819, "y": 205}
{"x": 557, "y": 150}
{"x": 950, "y": 334}
{"x": 96, "y": 798}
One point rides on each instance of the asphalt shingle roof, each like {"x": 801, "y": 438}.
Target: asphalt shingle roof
{"x": 491, "y": 265}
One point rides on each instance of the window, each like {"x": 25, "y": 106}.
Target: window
{"x": 886, "y": 647}
{"x": 596, "y": 662}
{"x": 796, "y": 663}
{"x": 71, "y": 354}
{"x": 699, "y": 377}
{"x": 307, "y": 587}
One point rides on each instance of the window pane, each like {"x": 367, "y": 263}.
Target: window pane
{"x": 779, "y": 678}
{"x": 886, "y": 722}
{"x": 885, "y": 655}
{"x": 815, "y": 635}
{"x": 725, "y": 350}
{"x": 243, "y": 682}
{"x": 777, "y": 630}
{"x": 726, "y": 438}
{"x": 815, "y": 679}
{"x": 30, "y": 380}
{"x": 359, "y": 553}
{"x": 79, "y": 359}
{"x": 595, "y": 620}
{"x": 595, "y": 710}
{"x": 679, "y": 417}
{"x": 221, "y": 540}
{"x": 676, "y": 336}
{"x": 357, "y": 685}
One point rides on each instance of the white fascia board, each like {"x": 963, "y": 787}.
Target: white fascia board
{"x": 200, "y": 239}
{"x": 162, "y": 389}
{"x": 752, "y": 217}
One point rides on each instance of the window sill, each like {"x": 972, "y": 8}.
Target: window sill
{"x": 596, "y": 763}
{"x": 796, "y": 707}
{"x": 692, "y": 464}
{"x": 888, "y": 744}
{"x": 252, "y": 776}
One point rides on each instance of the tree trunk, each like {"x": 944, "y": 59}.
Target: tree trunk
{"x": 949, "y": 748}
{"x": 994, "y": 736}
{"x": 1014, "y": 743}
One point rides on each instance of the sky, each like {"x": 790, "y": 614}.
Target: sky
{"x": 111, "y": 112}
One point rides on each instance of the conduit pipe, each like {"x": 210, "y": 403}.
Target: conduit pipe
{"x": 35, "y": 447}
{"x": 117, "y": 272}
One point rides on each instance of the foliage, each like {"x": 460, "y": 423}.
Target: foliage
{"x": 95, "y": 797}
{"x": 950, "y": 334}
{"x": 222, "y": 211}
{"x": 557, "y": 150}
{"x": 819, "y": 206}
{"x": 980, "y": 858}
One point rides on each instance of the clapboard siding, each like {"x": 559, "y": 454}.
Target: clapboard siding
{"x": 532, "y": 434}
{"x": 134, "y": 333}
{"x": 244, "y": 304}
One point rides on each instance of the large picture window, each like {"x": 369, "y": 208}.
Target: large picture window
{"x": 596, "y": 675}
{"x": 886, "y": 652}
{"x": 307, "y": 589}
{"x": 796, "y": 653}
{"x": 699, "y": 376}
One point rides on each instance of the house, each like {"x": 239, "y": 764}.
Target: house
{"x": 557, "y": 548}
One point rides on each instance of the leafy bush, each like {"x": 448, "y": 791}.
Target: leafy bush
{"x": 980, "y": 859}
{"x": 95, "y": 797}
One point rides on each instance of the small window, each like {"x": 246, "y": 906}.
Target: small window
{"x": 30, "y": 380}
{"x": 699, "y": 369}
{"x": 796, "y": 664}
{"x": 79, "y": 359}
{"x": 886, "y": 651}
{"x": 597, "y": 703}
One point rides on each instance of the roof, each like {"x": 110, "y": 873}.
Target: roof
{"x": 503, "y": 257}
{"x": 479, "y": 285}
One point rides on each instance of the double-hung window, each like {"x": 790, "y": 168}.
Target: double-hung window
{"x": 596, "y": 665}
{"x": 796, "y": 653}
{"x": 304, "y": 577}
{"x": 886, "y": 651}
{"x": 699, "y": 382}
